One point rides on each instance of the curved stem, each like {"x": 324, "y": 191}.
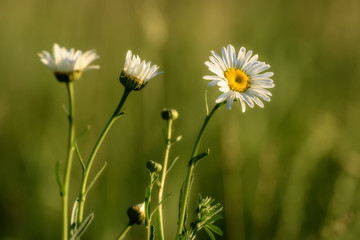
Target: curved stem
{"x": 124, "y": 231}
{"x": 83, "y": 188}
{"x": 65, "y": 186}
{"x": 191, "y": 167}
{"x": 160, "y": 225}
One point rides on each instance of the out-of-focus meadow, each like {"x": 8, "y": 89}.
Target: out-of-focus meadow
{"x": 288, "y": 171}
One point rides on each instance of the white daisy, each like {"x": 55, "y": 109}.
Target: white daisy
{"x": 137, "y": 73}
{"x": 239, "y": 77}
{"x": 68, "y": 64}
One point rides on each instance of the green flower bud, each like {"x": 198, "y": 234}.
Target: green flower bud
{"x": 169, "y": 114}
{"x": 153, "y": 167}
{"x": 136, "y": 214}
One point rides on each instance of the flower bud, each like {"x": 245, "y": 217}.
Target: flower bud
{"x": 136, "y": 214}
{"x": 169, "y": 114}
{"x": 153, "y": 167}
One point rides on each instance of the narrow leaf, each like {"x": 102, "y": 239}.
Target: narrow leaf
{"x": 119, "y": 114}
{"x": 95, "y": 178}
{"x": 84, "y": 131}
{"x": 74, "y": 216}
{"x": 211, "y": 235}
{"x": 215, "y": 229}
{"x": 206, "y": 103}
{"x": 172, "y": 164}
{"x": 157, "y": 206}
{"x": 152, "y": 232}
{"x": 79, "y": 156}
{"x": 82, "y": 228}
{"x": 197, "y": 158}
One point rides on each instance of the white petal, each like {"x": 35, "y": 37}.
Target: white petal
{"x": 221, "y": 98}
{"x": 230, "y": 100}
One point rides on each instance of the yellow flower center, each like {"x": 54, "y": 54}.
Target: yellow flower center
{"x": 238, "y": 80}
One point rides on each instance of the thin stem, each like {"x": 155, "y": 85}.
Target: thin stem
{"x": 191, "y": 169}
{"x": 83, "y": 189}
{"x": 147, "y": 204}
{"x": 160, "y": 227}
{"x": 65, "y": 188}
{"x": 124, "y": 231}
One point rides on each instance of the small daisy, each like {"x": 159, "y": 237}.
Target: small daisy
{"x": 239, "y": 77}
{"x": 137, "y": 73}
{"x": 68, "y": 64}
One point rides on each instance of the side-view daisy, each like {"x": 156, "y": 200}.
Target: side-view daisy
{"x": 239, "y": 76}
{"x": 136, "y": 73}
{"x": 68, "y": 64}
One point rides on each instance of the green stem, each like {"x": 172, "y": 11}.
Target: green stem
{"x": 124, "y": 231}
{"x": 159, "y": 226}
{"x": 83, "y": 188}
{"x": 147, "y": 205}
{"x": 65, "y": 186}
{"x": 190, "y": 171}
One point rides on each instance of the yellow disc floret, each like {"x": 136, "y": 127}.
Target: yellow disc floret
{"x": 238, "y": 80}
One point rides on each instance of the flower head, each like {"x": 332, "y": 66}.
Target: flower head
{"x": 137, "y": 73}
{"x": 239, "y": 77}
{"x": 136, "y": 214}
{"x": 68, "y": 64}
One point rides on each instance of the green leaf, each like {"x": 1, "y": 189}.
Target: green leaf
{"x": 157, "y": 206}
{"x": 119, "y": 114}
{"x": 211, "y": 235}
{"x": 197, "y": 158}
{"x": 82, "y": 228}
{"x": 215, "y": 229}
{"x": 152, "y": 233}
{"x": 79, "y": 156}
{"x": 95, "y": 178}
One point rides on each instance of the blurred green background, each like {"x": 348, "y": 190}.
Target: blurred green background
{"x": 288, "y": 171}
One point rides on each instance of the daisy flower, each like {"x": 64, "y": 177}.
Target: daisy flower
{"x": 136, "y": 73}
{"x": 239, "y": 77}
{"x": 68, "y": 64}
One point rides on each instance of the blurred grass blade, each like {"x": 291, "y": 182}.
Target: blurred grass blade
{"x": 82, "y": 228}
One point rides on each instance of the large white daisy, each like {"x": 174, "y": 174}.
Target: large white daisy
{"x": 68, "y": 64}
{"x": 239, "y": 76}
{"x": 137, "y": 73}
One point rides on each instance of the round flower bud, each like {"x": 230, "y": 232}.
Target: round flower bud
{"x": 169, "y": 114}
{"x": 136, "y": 214}
{"x": 153, "y": 167}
